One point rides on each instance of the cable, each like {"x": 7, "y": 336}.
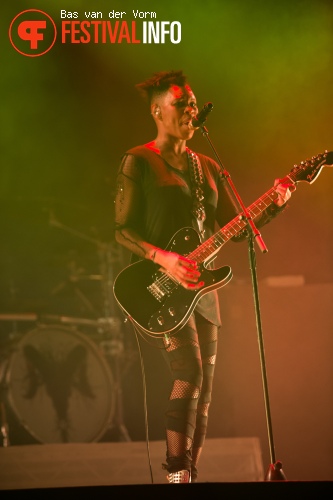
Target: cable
{"x": 136, "y": 332}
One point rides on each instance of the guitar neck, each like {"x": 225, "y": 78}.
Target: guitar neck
{"x": 207, "y": 250}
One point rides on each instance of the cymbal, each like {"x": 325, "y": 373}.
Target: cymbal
{"x": 18, "y": 317}
{"x": 100, "y": 322}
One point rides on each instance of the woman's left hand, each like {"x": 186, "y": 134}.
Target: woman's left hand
{"x": 283, "y": 190}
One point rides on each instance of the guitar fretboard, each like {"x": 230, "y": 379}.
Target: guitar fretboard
{"x": 211, "y": 246}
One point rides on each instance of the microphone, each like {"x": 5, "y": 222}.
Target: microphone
{"x": 201, "y": 117}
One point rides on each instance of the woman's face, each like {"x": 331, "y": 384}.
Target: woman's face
{"x": 177, "y": 107}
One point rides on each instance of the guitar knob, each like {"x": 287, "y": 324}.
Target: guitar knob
{"x": 172, "y": 311}
{"x": 160, "y": 320}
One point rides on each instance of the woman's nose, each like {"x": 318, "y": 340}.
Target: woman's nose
{"x": 191, "y": 110}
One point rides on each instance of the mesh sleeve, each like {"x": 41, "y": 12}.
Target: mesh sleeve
{"x": 128, "y": 194}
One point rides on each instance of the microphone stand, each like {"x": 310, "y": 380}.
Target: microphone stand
{"x": 274, "y": 472}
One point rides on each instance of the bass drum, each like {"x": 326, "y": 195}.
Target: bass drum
{"x": 60, "y": 386}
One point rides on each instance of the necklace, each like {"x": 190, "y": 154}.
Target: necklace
{"x": 198, "y": 209}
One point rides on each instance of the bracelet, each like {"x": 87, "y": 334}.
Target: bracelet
{"x": 154, "y": 255}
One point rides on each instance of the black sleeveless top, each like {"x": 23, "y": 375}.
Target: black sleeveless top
{"x": 157, "y": 202}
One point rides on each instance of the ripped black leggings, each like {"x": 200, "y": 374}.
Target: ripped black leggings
{"x": 191, "y": 355}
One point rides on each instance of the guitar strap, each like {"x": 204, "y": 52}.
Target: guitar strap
{"x": 196, "y": 175}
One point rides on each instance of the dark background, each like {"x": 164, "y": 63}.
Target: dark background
{"x": 66, "y": 119}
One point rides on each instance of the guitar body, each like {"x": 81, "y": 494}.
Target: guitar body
{"x": 156, "y": 303}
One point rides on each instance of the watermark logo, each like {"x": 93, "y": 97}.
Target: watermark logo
{"x": 32, "y": 33}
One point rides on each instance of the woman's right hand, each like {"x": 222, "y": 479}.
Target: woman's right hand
{"x": 184, "y": 270}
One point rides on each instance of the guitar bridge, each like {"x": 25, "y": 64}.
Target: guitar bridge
{"x": 161, "y": 288}
{"x": 156, "y": 291}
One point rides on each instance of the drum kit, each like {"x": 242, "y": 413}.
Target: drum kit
{"x": 60, "y": 383}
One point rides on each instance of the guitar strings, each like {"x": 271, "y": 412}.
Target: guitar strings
{"x": 168, "y": 283}
{"x": 204, "y": 252}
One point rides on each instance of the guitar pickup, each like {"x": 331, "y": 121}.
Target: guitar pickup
{"x": 163, "y": 286}
{"x": 156, "y": 291}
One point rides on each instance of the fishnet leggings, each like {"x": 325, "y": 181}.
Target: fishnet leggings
{"x": 191, "y": 355}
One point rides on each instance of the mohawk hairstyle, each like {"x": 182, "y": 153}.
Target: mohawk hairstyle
{"x": 159, "y": 83}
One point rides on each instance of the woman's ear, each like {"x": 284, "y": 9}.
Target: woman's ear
{"x": 156, "y": 110}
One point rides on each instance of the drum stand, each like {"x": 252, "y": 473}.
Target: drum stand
{"x": 3, "y": 413}
{"x": 113, "y": 346}
{"x": 112, "y": 343}
{"x": 113, "y": 351}
{"x": 4, "y": 357}
{"x": 4, "y": 428}
{"x": 110, "y": 338}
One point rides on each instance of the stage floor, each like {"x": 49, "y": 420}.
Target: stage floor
{"x": 122, "y": 463}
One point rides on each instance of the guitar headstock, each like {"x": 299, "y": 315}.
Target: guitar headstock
{"x": 309, "y": 170}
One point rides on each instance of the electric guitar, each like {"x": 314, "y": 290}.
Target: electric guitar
{"x": 156, "y": 302}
